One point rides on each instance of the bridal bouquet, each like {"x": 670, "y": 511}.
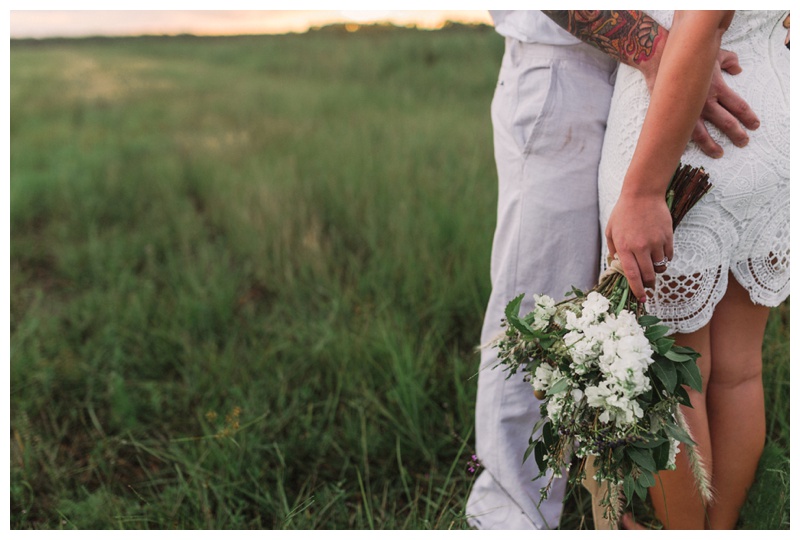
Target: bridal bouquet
{"x": 609, "y": 379}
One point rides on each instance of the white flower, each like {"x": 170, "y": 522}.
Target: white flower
{"x": 572, "y": 337}
{"x": 596, "y": 396}
{"x": 572, "y": 321}
{"x": 594, "y": 307}
{"x": 583, "y": 351}
{"x": 625, "y": 354}
{"x": 673, "y": 453}
{"x": 560, "y": 405}
{"x": 544, "y": 377}
{"x": 554, "y": 407}
{"x": 543, "y": 311}
{"x": 616, "y": 407}
{"x": 636, "y": 346}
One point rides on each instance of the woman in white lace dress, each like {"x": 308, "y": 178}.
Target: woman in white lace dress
{"x": 729, "y": 259}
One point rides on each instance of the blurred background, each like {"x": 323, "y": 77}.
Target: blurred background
{"x": 249, "y": 259}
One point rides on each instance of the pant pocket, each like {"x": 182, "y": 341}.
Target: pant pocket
{"x": 534, "y": 96}
{"x": 521, "y": 98}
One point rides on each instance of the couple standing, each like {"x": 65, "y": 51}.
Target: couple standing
{"x": 609, "y": 120}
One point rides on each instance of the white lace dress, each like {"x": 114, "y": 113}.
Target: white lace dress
{"x": 742, "y": 225}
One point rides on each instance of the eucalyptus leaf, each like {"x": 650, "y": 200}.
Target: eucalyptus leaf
{"x": 646, "y": 480}
{"x": 666, "y": 373}
{"x": 663, "y": 345}
{"x": 661, "y": 455}
{"x": 512, "y": 316}
{"x": 547, "y": 342}
{"x": 539, "y": 452}
{"x": 676, "y": 432}
{"x": 654, "y": 332}
{"x": 648, "y": 320}
{"x": 577, "y": 292}
{"x": 690, "y": 375}
{"x": 539, "y": 423}
{"x": 686, "y": 350}
{"x": 677, "y": 357}
{"x": 512, "y": 308}
{"x": 628, "y": 486}
{"x": 683, "y": 396}
{"x": 548, "y": 436}
{"x": 642, "y": 457}
{"x": 641, "y": 491}
{"x": 528, "y": 452}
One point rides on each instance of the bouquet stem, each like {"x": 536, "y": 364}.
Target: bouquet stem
{"x": 606, "y": 518}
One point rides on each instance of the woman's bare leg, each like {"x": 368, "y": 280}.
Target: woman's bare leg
{"x": 675, "y": 498}
{"x": 735, "y": 401}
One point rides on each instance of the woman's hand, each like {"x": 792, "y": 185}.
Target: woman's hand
{"x": 639, "y": 232}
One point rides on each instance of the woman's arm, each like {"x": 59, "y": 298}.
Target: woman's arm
{"x": 639, "y": 230}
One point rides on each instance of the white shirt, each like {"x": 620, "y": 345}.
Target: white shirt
{"x": 531, "y": 26}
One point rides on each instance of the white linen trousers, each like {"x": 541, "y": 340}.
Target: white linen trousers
{"x": 549, "y": 116}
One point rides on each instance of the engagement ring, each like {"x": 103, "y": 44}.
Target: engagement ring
{"x": 662, "y": 262}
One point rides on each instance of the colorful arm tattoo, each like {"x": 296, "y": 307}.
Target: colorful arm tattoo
{"x": 628, "y": 36}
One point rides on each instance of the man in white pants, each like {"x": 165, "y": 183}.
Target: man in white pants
{"x": 549, "y": 115}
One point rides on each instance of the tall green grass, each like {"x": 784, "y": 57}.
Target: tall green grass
{"x": 247, "y": 278}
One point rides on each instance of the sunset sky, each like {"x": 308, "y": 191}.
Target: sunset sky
{"x": 84, "y": 22}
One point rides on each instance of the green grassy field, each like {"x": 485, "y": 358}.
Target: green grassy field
{"x": 247, "y": 279}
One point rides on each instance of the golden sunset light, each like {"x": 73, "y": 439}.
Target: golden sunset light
{"x": 43, "y": 24}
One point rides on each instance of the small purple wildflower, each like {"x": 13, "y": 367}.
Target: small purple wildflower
{"x": 473, "y": 464}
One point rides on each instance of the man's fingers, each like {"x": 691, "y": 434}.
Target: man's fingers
{"x": 738, "y": 107}
{"x": 725, "y": 121}
{"x": 725, "y": 109}
{"x": 701, "y": 137}
{"x": 729, "y": 62}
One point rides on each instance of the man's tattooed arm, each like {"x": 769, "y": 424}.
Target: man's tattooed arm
{"x": 631, "y": 37}
{"x": 635, "y": 39}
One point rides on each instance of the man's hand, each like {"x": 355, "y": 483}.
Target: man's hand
{"x": 635, "y": 39}
{"x": 725, "y": 109}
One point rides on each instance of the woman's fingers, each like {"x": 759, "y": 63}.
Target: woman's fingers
{"x": 639, "y": 232}
{"x": 647, "y": 271}
{"x": 641, "y": 269}
{"x": 630, "y": 266}
{"x": 660, "y": 265}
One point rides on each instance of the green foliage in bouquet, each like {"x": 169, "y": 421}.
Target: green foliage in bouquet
{"x": 609, "y": 379}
